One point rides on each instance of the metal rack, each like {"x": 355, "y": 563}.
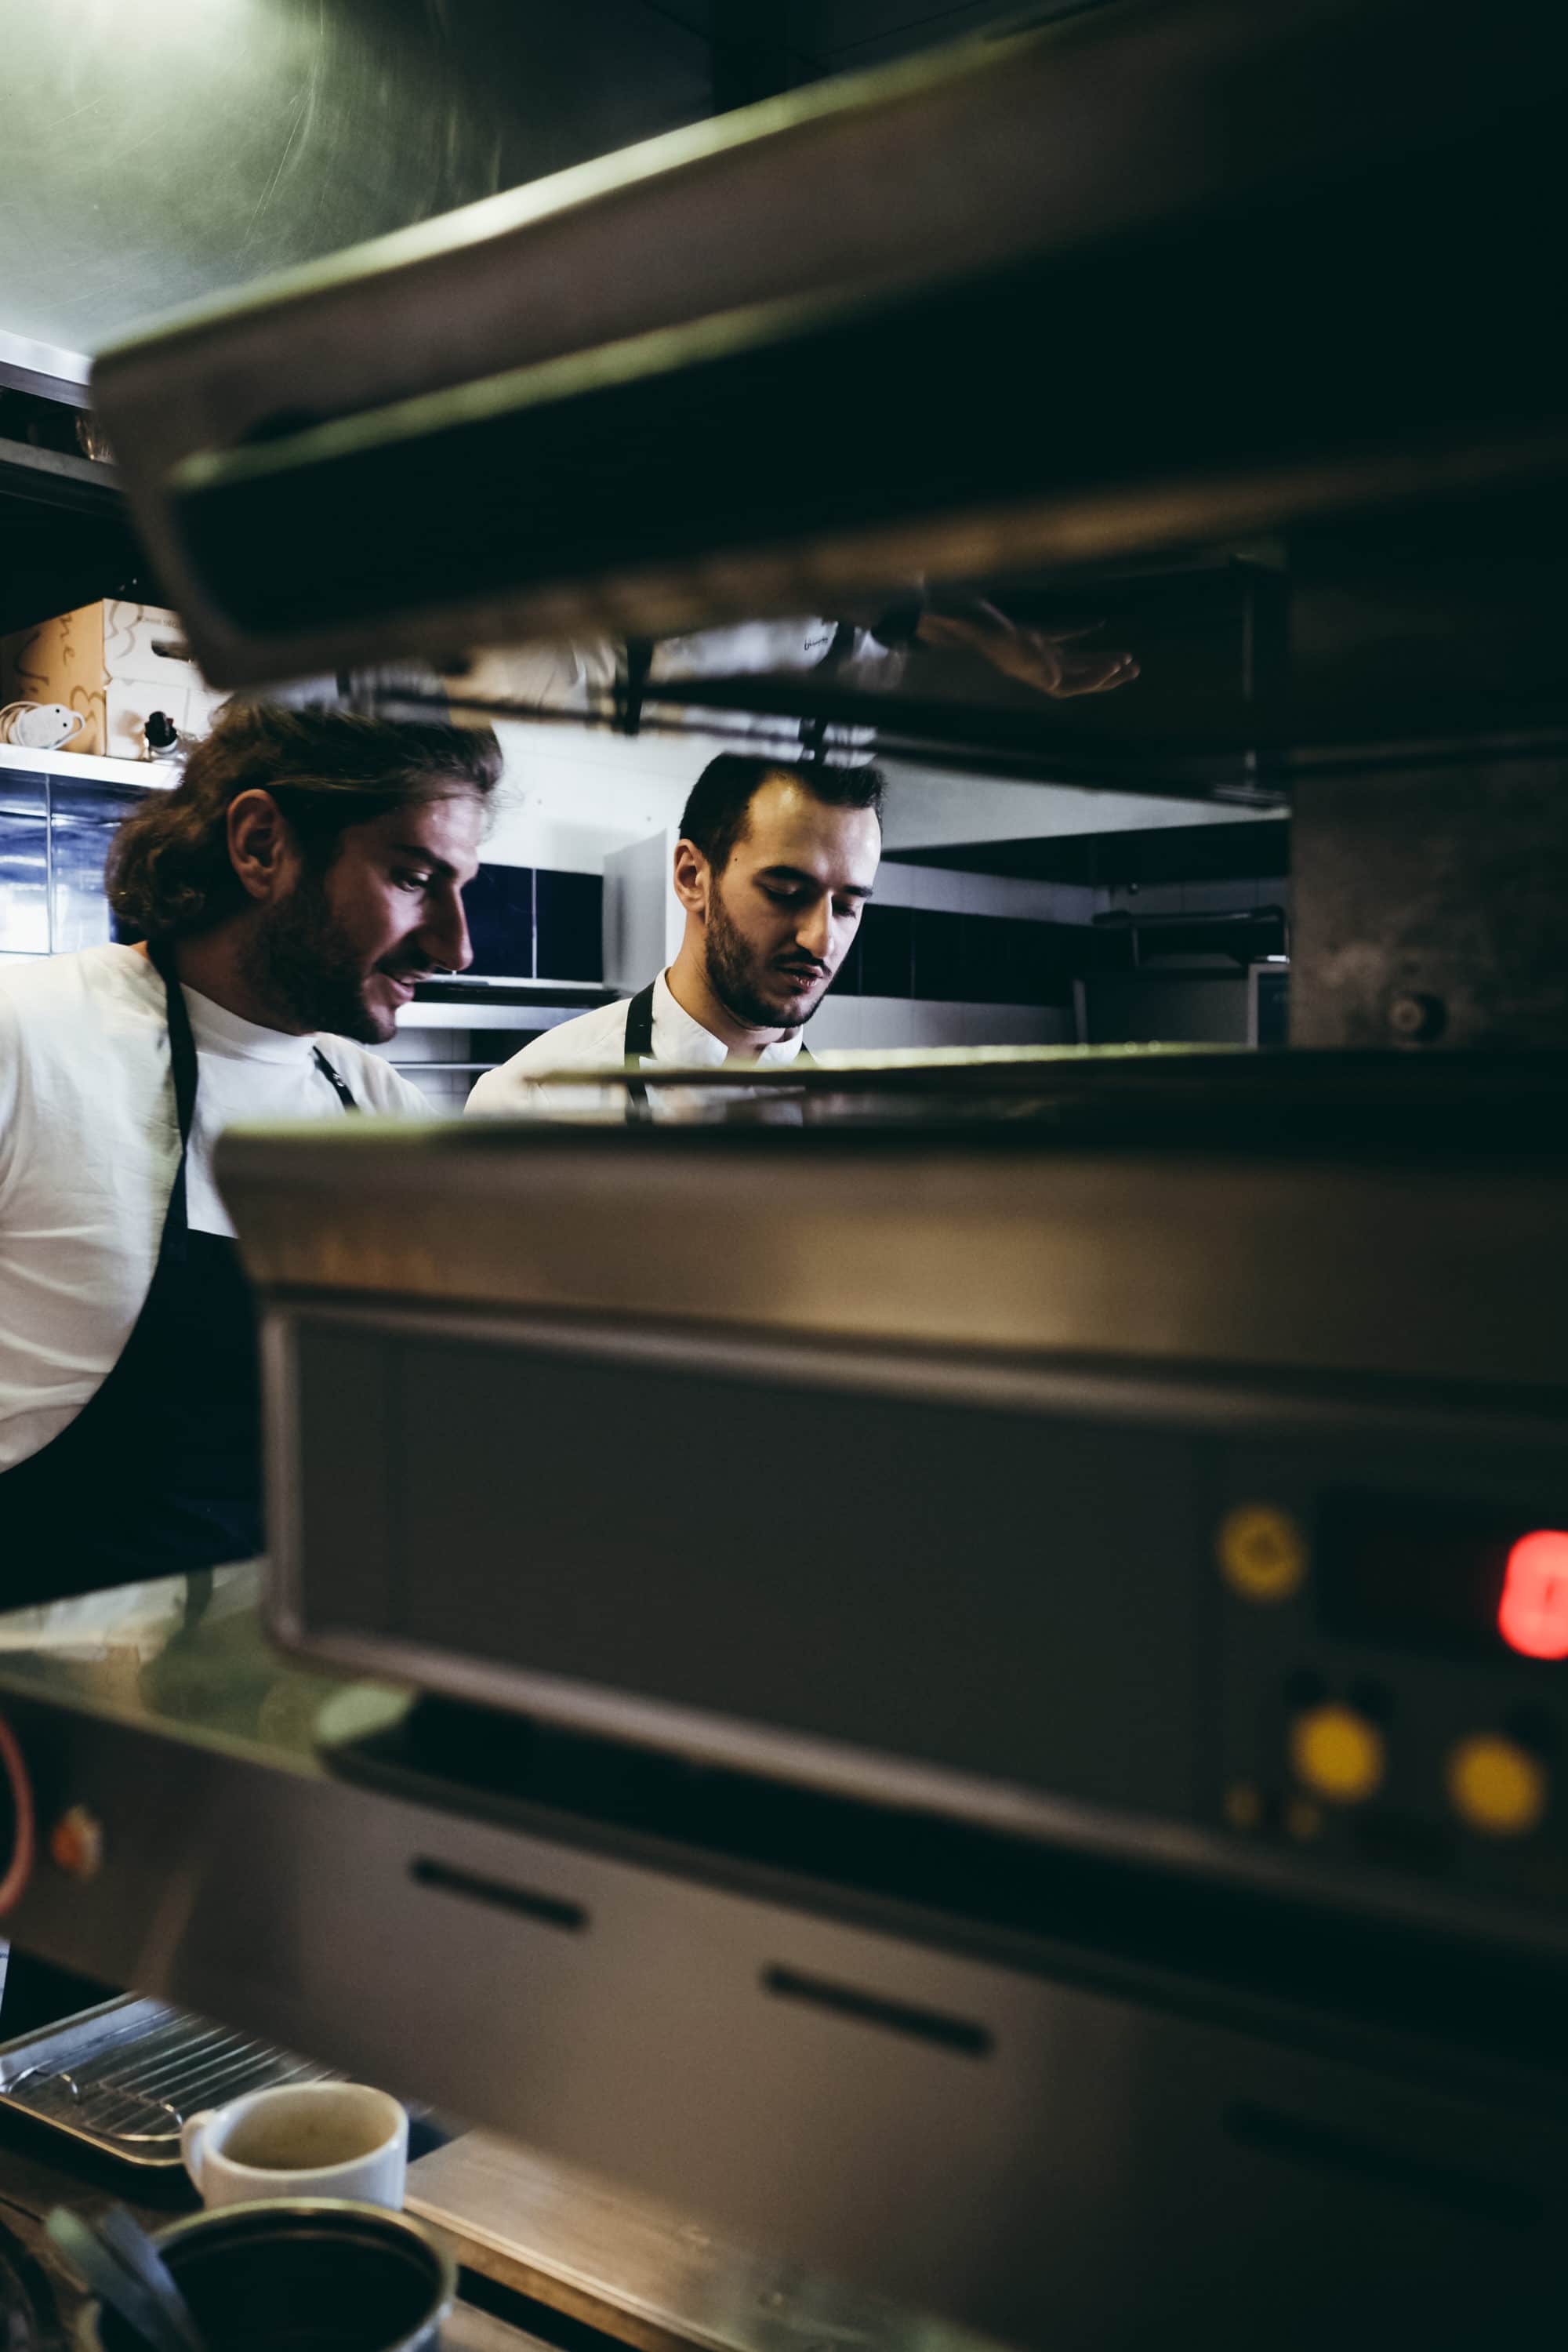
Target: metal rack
{"x": 123, "y": 2078}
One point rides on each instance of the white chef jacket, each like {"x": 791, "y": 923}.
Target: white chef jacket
{"x": 596, "y": 1041}
{"x": 89, "y": 1147}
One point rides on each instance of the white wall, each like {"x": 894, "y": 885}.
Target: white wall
{"x": 929, "y": 807}
{"x": 573, "y": 793}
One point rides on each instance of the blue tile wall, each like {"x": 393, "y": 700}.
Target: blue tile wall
{"x": 939, "y": 956}
{"x": 917, "y": 952}
{"x": 886, "y": 953}
{"x": 498, "y": 904}
{"x": 21, "y": 795}
{"x": 55, "y": 829}
{"x": 569, "y": 942}
{"x": 24, "y": 883}
{"x": 525, "y": 923}
{"x": 534, "y": 923}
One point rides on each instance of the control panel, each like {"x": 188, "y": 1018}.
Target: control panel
{"x": 1393, "y": 1638}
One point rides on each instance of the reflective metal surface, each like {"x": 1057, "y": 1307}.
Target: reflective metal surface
{"x": 27, "y": 365}
{"x": 152, "y": 160}
{"x": 124, "y": 2077}
{"x": 641, "y": 2271}
{"x": 185, "y": 1652}
{"x": 65, "y": 538}
{"x": 969, "y": 2118}
{"x": 1177, "y": 1209}
{"x": 966, "y": 271}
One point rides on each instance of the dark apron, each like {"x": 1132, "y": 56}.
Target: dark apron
{"x": 160, "y": 1473}
{"x": 639, "y": 1043}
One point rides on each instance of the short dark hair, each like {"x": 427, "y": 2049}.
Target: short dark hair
{"x": 719, "y": 804}
{"x": 169, "y": 874}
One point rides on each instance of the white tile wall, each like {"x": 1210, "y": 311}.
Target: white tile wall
{"x": 953, "y": 892}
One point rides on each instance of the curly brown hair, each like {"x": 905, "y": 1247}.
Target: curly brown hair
{"x": 169, "y": 874}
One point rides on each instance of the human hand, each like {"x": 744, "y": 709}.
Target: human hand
{"x": 1053, "y": 661}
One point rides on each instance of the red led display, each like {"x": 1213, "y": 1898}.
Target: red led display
{"x": 1532, "y": 1615}
{"x": 1454, "y": 1578}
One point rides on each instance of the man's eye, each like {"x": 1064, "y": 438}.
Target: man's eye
{"x": 782, "y": 897}
{"x": 847, "y": 910}
{"x": 412, "y": 881}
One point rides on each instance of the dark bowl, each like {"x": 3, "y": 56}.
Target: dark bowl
{"x": 306, "y": 2275}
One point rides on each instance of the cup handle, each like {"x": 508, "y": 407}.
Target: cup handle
{"x": 192, "y": 2132}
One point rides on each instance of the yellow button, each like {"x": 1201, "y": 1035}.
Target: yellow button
{"x": 1496, "y": 1786}
{"x": 1262, "y": 1552}
{"x": 1337, "y": 1752}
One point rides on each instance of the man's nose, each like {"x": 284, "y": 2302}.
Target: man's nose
{"x": 813, "y": 932}
{"x": 443, "y": 935}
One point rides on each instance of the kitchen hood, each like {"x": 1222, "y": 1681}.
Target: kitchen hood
{"x": 1168, "y": 272}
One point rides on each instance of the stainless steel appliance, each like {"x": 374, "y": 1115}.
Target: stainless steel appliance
{"x": 1088, "y": 1781}
{"x": 997, "y": 1318}
{"x": 1049, "y": 1804}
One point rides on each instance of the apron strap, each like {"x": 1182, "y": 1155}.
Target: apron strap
{"x": 640, "y": 1041}
{"x": 338, "y": 1085}
{"x": 183, "y": 1070}
{"x": 639, "y": 1025}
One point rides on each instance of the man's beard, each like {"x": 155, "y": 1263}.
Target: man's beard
{"x": 297, "y": 960}
{"x": 733, "y": 975}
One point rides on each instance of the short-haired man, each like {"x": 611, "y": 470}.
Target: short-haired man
{"x": 305, "y": 873}
{"x": 773, "y": 867}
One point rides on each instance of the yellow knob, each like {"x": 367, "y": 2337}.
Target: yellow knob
{"x": 1337, "y": 1752}
{"x": 1262, "y": 1552}
{"x": 1496, "y": 1786}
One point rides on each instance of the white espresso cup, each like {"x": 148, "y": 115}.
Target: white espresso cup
{"x": 299, "y": 2139}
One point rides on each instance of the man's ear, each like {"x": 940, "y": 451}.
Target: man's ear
{"x": 260, "y": 845}
{"x": 692, "y": 876}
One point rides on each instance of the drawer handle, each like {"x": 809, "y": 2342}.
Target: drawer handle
{"x": 876, "y": 2009}
{"x": 1297, "y": 2140}
{"x": 549, "y": 1910}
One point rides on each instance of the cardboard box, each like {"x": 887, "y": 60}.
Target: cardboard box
{"x": 116, "y": 663}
